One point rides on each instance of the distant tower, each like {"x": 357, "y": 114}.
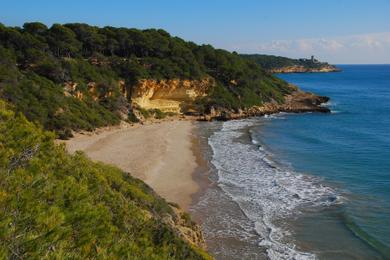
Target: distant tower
{"x": 312, "y": 58}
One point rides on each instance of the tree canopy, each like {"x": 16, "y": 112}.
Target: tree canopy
{"x": 37, "y": 62}
{"x": 271, "y": 62}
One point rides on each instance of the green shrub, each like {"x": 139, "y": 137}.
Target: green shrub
{"x": 132, "y": 118}
{"x": 60, "y": 206}
{"x": 144, "y": 112}
{"x": 49, "y": 58}
{"x": 158, "y": 114}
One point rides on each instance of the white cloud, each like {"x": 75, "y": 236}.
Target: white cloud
{"x": 364, "y": 48}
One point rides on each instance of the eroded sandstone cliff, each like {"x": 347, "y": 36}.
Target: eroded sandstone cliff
{"x": 174, "y": 94}
{"x": 169, "y": 95}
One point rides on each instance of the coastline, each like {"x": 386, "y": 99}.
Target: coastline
{"x": 202, "y": 170}
{"x": 301, "y": 69}
{"x": 164, "y": 154}
{"x": 172, "y": 157}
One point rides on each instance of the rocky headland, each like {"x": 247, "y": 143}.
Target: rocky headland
{"x": 304, "y": 69}
{"x": 297, "y": 102}
{"x": 279, "y": 64}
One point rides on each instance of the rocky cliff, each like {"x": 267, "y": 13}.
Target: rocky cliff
{"x": 172, "y": 95}
{"x": 296, "y": 102}
{"x": 169, "y": 95}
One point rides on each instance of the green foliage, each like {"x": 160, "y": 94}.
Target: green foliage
{"x": 158, "y": 114}
{"x": 43, "y": 101}
{"x": 132, "y": 118}
{"x": 60, "y": 206}
{"x": 36, "y": 63}
{"x": 221, "y": 97}
{"x": 187, "y": 219}
{"x": 154, "y": 113}
{"x": 144, "y": 112}
{"x": 270, "y": 62}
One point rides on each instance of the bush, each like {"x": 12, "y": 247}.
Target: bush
{"x": 158, "y": 114}
{"x": 96, "y": 59}
{"x": 59, "y": 206}
{"x": 144, "y": 112}
{"x": 132, "y": 118}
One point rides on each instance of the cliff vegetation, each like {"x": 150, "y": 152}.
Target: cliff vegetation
{"x": 76, "y": 76}
{"x": 278, "y": 64}
{"x": 59, "y": 206}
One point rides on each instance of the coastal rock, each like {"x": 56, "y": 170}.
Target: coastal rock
{"x": 187, "y": 229}
{"x": 296, "y": 102}
{"x": 169, "y": 95}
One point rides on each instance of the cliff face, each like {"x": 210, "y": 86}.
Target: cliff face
{"x": 172, "y": 95}
{"x": 303, "y": 69}
{"x": 169, "y": 95}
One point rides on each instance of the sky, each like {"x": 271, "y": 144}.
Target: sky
{"x": 337, "y": 31}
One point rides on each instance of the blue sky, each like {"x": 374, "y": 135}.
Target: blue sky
{"x": 339, "y": 31}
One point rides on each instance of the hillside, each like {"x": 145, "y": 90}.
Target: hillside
{"x": 58, "y": 206}
{"x": 78, "y": 77}
{"x": 278, "y": 64}
{"x": 75, "y": 76}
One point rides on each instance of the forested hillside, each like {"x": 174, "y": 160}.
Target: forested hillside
{"x": 278, "y": 64}
{"x": 59, "y": 206}
{"x": 66, "y": 77}
{"x": 75, "y": 76}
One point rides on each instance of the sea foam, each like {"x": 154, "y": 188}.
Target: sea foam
{"x": 265, "y": 192}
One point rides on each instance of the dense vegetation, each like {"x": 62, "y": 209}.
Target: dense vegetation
{"x": 271, "y": 62}
{"x": 59, "y": 206}
{"x": 37, "y": 61}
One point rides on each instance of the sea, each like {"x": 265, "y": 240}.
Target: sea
{"x": 303, "y": 186}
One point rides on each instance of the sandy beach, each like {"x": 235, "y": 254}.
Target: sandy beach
{"x": 160, "y": 154}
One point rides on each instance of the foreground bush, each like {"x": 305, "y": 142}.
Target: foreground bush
{"x": 59, "y": 206}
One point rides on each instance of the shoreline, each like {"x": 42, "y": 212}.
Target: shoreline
{"x": 297, "y": 69}
{"x": 97, "y": 146}
{"x": 202, "y": 172}
{"x": 164, "y": 154}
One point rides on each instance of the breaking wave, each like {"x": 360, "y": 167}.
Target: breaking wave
{"x": 265, "y": 192}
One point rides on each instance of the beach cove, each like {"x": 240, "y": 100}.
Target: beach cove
{"x": 251, "y": 195}
{"x": 159, "y": 153}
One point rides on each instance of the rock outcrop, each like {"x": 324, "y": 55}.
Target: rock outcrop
{"x": 169, "y": 95}
{"x": 187, "y": 229}
{"x": 296, "y": 102}
{"x": 71, "y": 89}
{"x": 172, "y": 95}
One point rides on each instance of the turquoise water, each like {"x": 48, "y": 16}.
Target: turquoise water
{"x": 349, "y": 150}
